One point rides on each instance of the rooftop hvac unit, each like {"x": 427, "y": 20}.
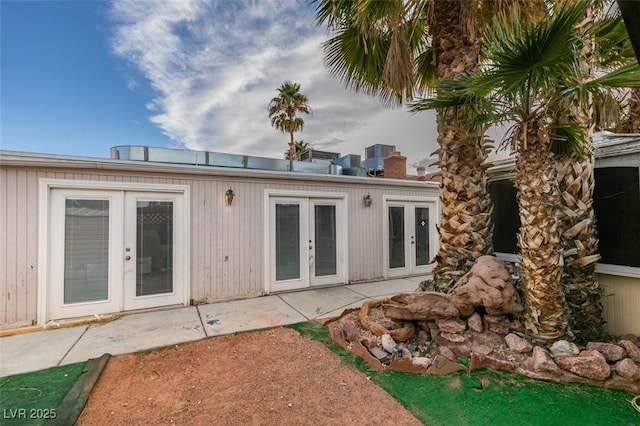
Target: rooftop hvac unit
{"x": 375, "y": 155}
{"x": 313, "y": 155}
{"x": 348, "y": 161}
{"x": 379, "y": 150}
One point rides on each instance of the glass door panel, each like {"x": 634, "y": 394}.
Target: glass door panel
{"x": 154, "y": 263}
{"x": 397, "y": 254}
{"x": 287, "y": 241}
{"x": 86, "y": 250}
{"x": 325, "y": 240}
{"x": 421, "y": 223}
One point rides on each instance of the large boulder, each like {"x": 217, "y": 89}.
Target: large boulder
{"x": 590, "y": 364}
{"x": 487, "y": 284}
{"x": 420, "y": 306}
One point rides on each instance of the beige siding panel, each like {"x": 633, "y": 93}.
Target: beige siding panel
{"x": 11, "y": 239}
{"x": 22, "y": 293}
{"x": 621, "y": 304}
{"x": 4, "y": 247}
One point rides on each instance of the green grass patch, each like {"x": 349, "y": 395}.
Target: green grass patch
{"x": 487, "y": 397}
{"x": 31, "y": 398}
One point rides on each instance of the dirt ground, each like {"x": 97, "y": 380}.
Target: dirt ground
{"x": 270, "y": 377}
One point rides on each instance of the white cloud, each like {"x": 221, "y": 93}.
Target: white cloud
{"x": 214, "y": 67}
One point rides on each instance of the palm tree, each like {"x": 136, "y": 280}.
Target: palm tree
{"x": 301, "y": 146}
{"x": 395, "y": 50}
{"x": 284, "y": 110}
{"x": 533, "y": 77}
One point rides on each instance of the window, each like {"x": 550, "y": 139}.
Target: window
{"x": 616, "y": 202}
{"x": 505, "y": 216}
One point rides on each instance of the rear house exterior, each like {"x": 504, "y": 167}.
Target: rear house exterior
{"x": 88, "y": 236}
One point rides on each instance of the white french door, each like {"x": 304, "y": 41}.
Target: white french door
{"x": 306, "y": 240}
{"x": 113, "y": 250}
{"x": 410, "y": 240}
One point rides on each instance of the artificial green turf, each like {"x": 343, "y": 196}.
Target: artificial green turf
{"x": 487, "y": 397}
{"x": 31, "y": 398}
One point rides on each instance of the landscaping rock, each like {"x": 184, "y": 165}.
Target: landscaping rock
{"x": 628, "y": 369}
{"x": 447, "y": 353}
{"x": 421, "y": 361}
{"x": 454, "y": 325}
{"x": 350, "y": 331}
{"x": 475, "y": 322}
{"x": 541, "y": 362}
{"x": 489, "y": 338}
{"x": 632, "y": 349}
{"x": 423, "y": 338}
{"x": 380, "y": 355}
{"x": 610, "y": 351}
{"x": 589, "y": 363}
{"x": 618, "y": 382}
{"x": 368, "y": 342}
{"x": 488, "y": 283}
{"x": 480, "y": 349}
{"x": 501, "y": 327}
{"x": 388, "y": 344}
{"x": 564, "y": 348}
{"x": 517, "y": 326}
{"x": 420, "y": 306}
{"x": 498, "y": 362}
{"x": 454, "y": 338}
{"x": 517, "y": 344}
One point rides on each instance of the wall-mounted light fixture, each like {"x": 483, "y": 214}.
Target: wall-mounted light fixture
{"x": 367, "y": 200}
{"x": 229, "y": 196}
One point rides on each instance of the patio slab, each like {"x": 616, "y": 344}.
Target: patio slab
{"x": 247, "y": 314}
{"x": 138, "y": 332}
{"x": 314, "y": 303}
{"x": 385, "y": 288}
{"x": 39, "y": 350}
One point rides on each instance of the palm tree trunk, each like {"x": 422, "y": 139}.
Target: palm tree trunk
{"x": 575, "y": 211}
{"x": 465, "y": 221}
{"x": 578, "y": 237}
{"x": 633, "y": 125}
{"x": 539, "y": 235}
{"x": 292, "y": 147}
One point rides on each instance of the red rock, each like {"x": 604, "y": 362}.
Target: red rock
{"x": 542, "y": 362}
{"x": 516, "y": 325}
{"x": 441, "y": 366}
{"x": 423, "y": 338}
{"x": 475, "y": 322}
{"x": 461, "y": 350}
{"x": 368, "y": 342}
{"x": 433, "y": 329}
{"x": 628, "y": 369}
{"x": 589, "y": 363}
{"x": 610, "y": 351}
{"x": 488, "y": 337}
{"x": 517, "y": 344}
{"x": 480, "y": 349}
{"x": 447, "y": 353}
{"x": 633, "y": 351}
{"x": 497, "y": 362}
{"x": 350, "y": 331}
{"x": 454, "y": 338}
{"x": 502, "y": 327}
{"x": 453, "y": 325}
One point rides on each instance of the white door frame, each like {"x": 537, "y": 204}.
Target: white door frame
{"x": 45, "y": 187}
{"x": 307, "y": 200}
{"x": 410, "y": 201}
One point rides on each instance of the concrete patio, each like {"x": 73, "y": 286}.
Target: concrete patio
{"x": 22, "y": 353}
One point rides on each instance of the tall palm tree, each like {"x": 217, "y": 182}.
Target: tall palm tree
{"x": 394, "y": 50}
{"x": 284, "y": 110}
{"x": 533, "y": 76}
{"x": 301, "y": 146}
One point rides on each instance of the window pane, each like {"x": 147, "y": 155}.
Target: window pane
{"x": 325, "y": 244}
{"x": 287, "y": 241}
{"x": 86, "y": 251}
{"x": 616, "y": 202}
{"x": 396, "y": 237}
{"x": 154, "y": 268}
{"x": 422, "y": 236}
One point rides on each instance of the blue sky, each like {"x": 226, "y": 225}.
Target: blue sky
{"x": 78, "y": 77}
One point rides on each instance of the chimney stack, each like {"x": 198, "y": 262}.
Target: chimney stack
{"x": 395, "y": 166}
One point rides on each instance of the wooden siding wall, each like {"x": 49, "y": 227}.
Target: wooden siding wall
{"x": 621, "y": 304}
{"x": 226, "y": 242}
